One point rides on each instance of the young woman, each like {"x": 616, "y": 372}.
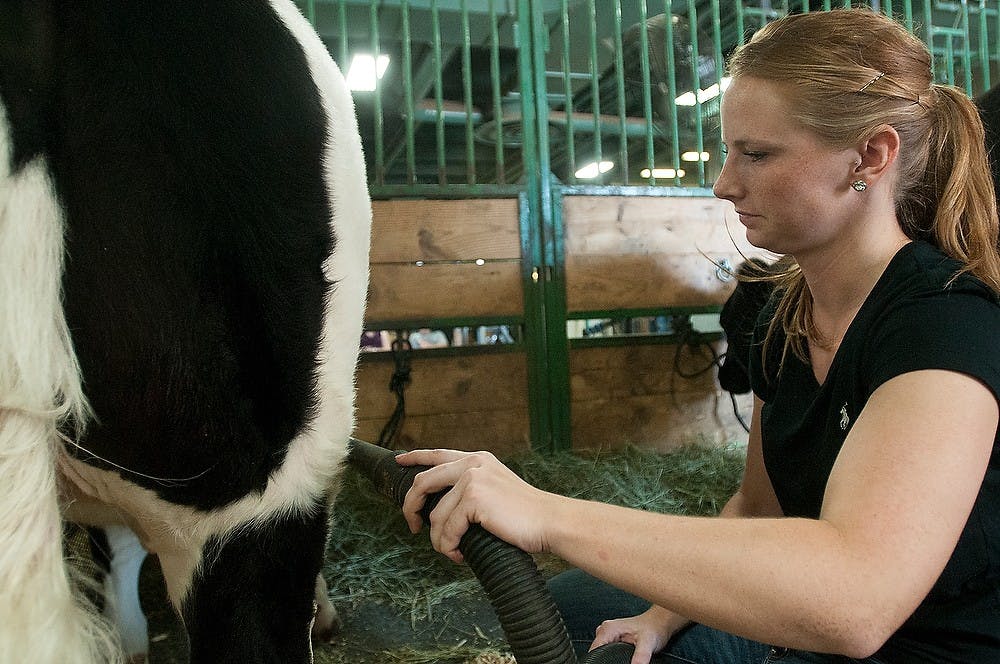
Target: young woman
{"x": 868, "y": 521}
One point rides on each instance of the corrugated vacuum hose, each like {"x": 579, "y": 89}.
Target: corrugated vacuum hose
{"x": 515, "y": 588}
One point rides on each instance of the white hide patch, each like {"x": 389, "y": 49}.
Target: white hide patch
{"x": 40, "y": 618}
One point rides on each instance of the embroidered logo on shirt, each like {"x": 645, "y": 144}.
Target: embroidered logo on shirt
{"x": 844, "y": 419}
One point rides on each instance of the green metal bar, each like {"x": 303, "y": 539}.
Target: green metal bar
{"x": 530, "y": 219}
{"x": 470, "y": 139}
{"x": 887, "y": 7}
{"x": 966, "y": 54}
{"x": 984, "y": 50}
{"x": 311, "y": 12}
{"x": 740, "y": 28}
{"x": 647, "y": 96}
{"x": 450, "y": 351}
{"x": 664, "y": 339}
{"x": 949, "y": 54}
{"x": 568, "y": 90}
{"x": 411, "y": 151}
{"x": 719, "y": 68}
{"x": 929, "y": 31}
{"x": 552, "y": 276}
{"x": 675, "y": 133}
{"x": 377, "y": 99}
{"x": 498, "y": 156}
{"x": 438, "y": 99}
{"x": 446, "y": 321}
{"x": 644, "y": 312}
{"x": 908, "y": 14}
{"x": 620, "y": 88}
{"x": 696, "y": 84}
{"x": 595, "y": 91}
{"x": 617, "y": 190}
{"x": 427, "y": 190}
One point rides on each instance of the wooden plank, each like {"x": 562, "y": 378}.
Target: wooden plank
{"x": 633, "y": 395}
{"x": 465, "y": 384}
{"x": 470, "y": 402}
{"x": 602, "y": 225}
{"x": 626, "y": 252}
{"x": 433, "y": 230}
{"x": 630, "y": 371}
{"x": 440, "y": 291}
{"x": 640, "y": 281}
{"x": 502, "y": 432}
{"x": 660, "y": 422}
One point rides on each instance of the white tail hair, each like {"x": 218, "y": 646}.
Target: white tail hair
{"x": 42, "y": 619}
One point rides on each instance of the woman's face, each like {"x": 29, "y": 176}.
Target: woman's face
{"x": 791, "y": 191}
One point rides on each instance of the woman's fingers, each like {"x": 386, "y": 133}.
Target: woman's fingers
{"x": 429, "y": 457}
{"x": 625, "y": 630}
{"x": 444, "y": 473}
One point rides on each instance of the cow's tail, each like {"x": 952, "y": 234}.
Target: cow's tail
{"x": 42, "y": 619}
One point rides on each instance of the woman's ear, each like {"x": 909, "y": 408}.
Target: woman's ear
{"x": 878, "y": 154}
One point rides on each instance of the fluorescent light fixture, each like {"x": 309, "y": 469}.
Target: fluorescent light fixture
{"x": 661, "y": 173}
{"x": 593, "y": 169}
{"x": 365, "y": 71}
{"x": 480, "y": 261}
{"x": 693, "y": 156}
{"x": 711, "y": 92}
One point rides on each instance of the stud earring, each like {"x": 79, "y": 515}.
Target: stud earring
{"x": 859, "y": 185}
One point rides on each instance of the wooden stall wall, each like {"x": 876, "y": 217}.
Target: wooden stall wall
{"x": 424, "y": 266}
{"x": 622, "y": 253}
{"x": 636, "y": 252}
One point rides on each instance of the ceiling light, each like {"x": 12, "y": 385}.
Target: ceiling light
{"x": 711, "y": 92}
{"x": 661, "y": 173}
{"x": 693, "y": 156}
{"x": 593, "y": 169}
{"x": 365, "y": 71}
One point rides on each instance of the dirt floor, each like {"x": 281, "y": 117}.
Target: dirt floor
{"x": 459, "y": 629}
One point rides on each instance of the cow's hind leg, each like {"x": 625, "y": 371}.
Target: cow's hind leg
{"x": 257, "y": 585}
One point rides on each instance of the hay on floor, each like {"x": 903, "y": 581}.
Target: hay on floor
{"x": 373, "y": 556}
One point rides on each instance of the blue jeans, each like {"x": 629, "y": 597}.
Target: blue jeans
{"x": 586, "y": 602}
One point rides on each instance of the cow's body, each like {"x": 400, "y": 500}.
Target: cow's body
{"x": 183, "y": 263}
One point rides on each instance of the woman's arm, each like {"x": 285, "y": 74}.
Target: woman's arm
{"x": 755, "y": 496}
{"x": 650, "y": 631}
{"x": 896, "y": 502}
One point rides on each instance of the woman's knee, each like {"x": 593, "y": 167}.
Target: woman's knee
{"x": 585, "y": 602}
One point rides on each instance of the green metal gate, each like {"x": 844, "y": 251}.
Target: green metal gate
{"x": 544, "y": 99}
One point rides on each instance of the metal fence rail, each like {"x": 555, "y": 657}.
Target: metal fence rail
{"x": 544, "y": 100}
{"x": 631, "y": 87}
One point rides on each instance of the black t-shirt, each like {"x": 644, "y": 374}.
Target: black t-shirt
{"x": 915, "y": 318}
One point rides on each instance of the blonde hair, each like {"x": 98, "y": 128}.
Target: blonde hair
{"x": 849, "y": 72}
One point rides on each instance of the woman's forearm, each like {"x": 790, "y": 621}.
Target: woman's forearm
{"x": 792, "y": 582}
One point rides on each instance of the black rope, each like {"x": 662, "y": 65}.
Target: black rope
{"x": 690, "y": 338}
{"x": 397, "y": 385}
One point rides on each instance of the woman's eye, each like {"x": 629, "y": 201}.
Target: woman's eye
{"x": 755, "y": 156}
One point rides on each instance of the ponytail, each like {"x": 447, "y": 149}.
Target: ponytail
{"x": 964, "y": 223}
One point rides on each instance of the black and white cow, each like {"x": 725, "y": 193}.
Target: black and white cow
{"x": 183, "y": 264}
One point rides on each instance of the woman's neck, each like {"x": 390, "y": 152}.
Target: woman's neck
{"x": 841, "y": 276}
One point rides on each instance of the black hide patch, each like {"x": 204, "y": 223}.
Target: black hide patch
{"x": 186, "y": 141}
{"x": 253, "y": 602}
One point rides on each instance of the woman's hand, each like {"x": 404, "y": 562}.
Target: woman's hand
{"x": 649, "y": 632}
{"x": 484, "y": 491}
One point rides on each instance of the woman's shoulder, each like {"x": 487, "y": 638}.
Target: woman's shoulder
{"x": 920, "y": 270}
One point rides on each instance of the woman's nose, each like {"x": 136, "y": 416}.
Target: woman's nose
{"x": 725, "y": 186}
